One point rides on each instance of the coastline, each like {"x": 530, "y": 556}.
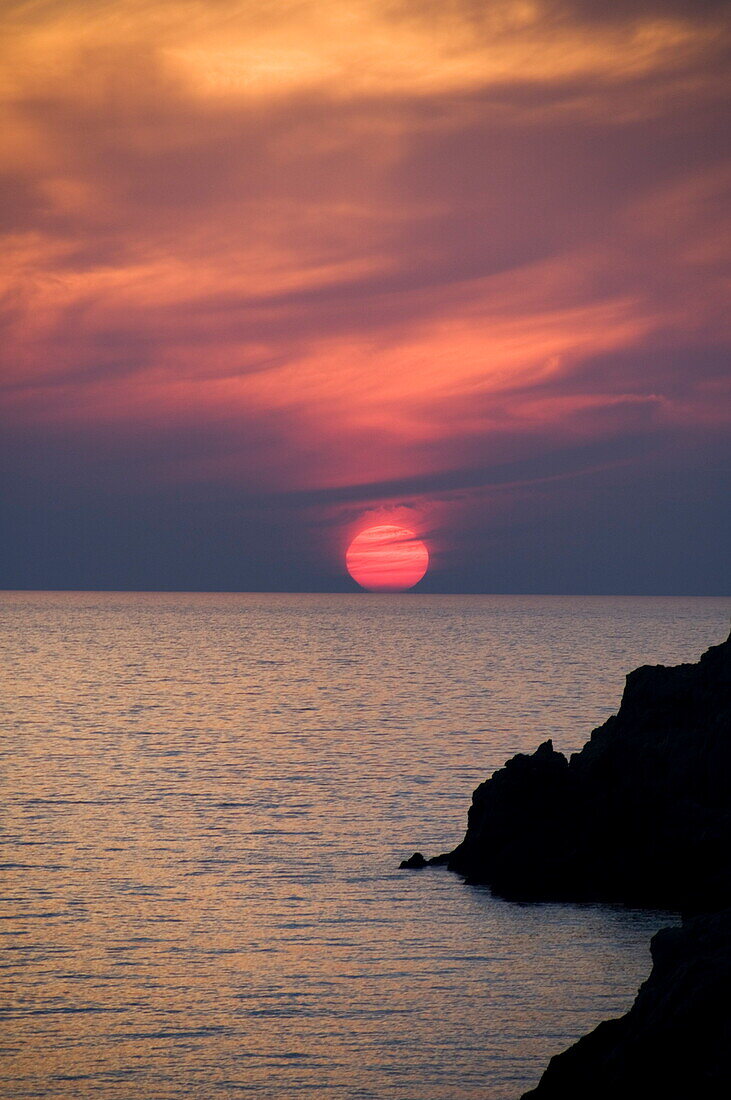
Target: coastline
{"x": 640, "y": 816}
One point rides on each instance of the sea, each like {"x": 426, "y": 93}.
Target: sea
{"x": 205, "y": 801}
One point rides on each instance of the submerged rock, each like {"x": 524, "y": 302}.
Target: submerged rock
{"x": 417, "y": 861}
{"x": 641, "y": 815}
{"x": 413, "y": 863}
{"x": 675, "y": 1042}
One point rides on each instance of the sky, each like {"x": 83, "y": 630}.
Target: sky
{"x": 275, "y": 272}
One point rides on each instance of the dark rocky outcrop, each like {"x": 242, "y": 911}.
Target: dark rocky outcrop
{"x": 675, "y": 1042}
{"x": 641, "y": 815}
{"x": 413, "y": 863}
{"x": 417, "y": 861}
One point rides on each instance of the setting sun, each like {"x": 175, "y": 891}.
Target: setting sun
{"x": 387, "y": 559}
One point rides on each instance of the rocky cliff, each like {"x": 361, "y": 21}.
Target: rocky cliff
{"x": 641, "y": 815}
{"x": 675, "y": 1042}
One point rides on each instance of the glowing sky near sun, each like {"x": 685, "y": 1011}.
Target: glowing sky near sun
{"x": 332, "y": 258}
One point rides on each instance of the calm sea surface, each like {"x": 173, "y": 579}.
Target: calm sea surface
{"x": 206, "y": 800}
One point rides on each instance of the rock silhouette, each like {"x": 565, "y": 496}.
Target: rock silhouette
{"x": 414, "y": 863}
{"x": 675, "y": 1042}
{"x": 641, "y": 815}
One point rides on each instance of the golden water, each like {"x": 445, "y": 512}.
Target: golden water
{"x": 206, "y": 799}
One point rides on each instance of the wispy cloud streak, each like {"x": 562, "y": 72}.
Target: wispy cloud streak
{"x": 364, "y": 252}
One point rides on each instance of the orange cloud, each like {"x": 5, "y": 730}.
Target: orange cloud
{"x": 376, "y": 248}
